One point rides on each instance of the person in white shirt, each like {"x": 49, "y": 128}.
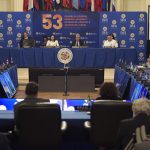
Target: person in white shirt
{"x": 110, "y": 42}
{"x": 51, "y": 42}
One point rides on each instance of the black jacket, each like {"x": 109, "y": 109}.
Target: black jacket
{"x": 128, "y": 127}
{"x": 80, "y": 42}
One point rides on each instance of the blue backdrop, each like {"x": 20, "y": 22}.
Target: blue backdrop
{"x": 130, "y": 28}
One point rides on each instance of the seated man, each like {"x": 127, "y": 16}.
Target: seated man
{"x": 141, "y": 113}
{"x": 26, "y": 41}
{"x": 110, "y": 42}
{"x": 31, "y": 92}
{"x": 77, "y": 42}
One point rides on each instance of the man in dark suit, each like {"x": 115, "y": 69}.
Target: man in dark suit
{"x": 77, "y": 42}
{"x": 26, "y": 41}
{"x": 141, "y": 111}
{"x": 31, "y": 92}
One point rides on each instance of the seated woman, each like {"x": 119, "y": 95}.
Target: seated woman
{"x": 141, "y": 112}
{"x": 108, "y": 91}
{"x": 52, "y": 42}
{"x": 110, "y": 42}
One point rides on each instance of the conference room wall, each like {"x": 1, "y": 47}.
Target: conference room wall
{"x": 121, "y": 5}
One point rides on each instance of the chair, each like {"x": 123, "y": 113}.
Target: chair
{"x": 105, "y": 118}
{"x": 39, "y": 126}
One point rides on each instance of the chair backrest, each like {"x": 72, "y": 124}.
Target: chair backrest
{"x": 39, "y": 125}
{"x": 105, "y": 119}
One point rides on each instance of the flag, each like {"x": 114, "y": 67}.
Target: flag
{"x": 75, "y": 4}
{"x": 98, "y": 5}
{"x": 67, "y": 4}
{"x": 88, "y": 5}
{"x": 41, "y": 4}
{"x": 30, "y": 7}
{"x": 104, "y": 5}
{"x": 48, "y": 4}
{"x": 82, "y": 4}
{"x": 36, "y": 4}
{"x": 92, "y": 5}
{"x": 113, "y": 5}
{"x": 25, "y": 5}
{"x": 108, "y": 5}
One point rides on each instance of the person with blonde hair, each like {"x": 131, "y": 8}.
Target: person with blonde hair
{"x": 141, "y": 117}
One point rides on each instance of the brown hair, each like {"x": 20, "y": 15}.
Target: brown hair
{"x": 109, "y": 91}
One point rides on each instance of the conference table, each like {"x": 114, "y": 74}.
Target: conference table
{"x": 128, "y": 82}
{"x": 82, "y": 57}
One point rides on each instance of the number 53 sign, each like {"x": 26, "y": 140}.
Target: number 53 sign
{"x": 48, "y": 19}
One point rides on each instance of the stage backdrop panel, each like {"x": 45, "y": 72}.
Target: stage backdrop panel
{"x": 64, "y": 25}
{"x": 12, "y": 26}
{"x": 129, "y": 28}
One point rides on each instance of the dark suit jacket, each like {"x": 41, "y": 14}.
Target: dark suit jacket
{"x": 128, "y": 127}
{"x": 27, "y": 102}
{"x": 80, "y": 41}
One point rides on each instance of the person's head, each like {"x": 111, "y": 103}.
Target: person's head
{"x": 52, "y": 38}
{"x": 25, "y": 34}
{"x": 141, "y": 106}
{"x": 31, "y": 89}
{"x": 45, "y": 39}
{"x": 77, "y": 37}
{"x": 108, "y": 91}
{"x": 110, "y": 37}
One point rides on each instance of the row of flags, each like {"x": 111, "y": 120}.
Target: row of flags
{"x": 86, "y": 5}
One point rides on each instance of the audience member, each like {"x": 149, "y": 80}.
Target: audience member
{"x": 141, "y": 112}
{"x": 31, "y": 92}
{"x": 52, "y": 42}
{"x": 77, "y": 42}
{"x": 108, "y": 91}
{"x": 110, "y": 42}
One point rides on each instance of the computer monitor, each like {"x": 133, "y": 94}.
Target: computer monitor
{"x": 77, "y": 104}
{"x": 139, "y": 92}
{"x": 7, "y": 88}
{"x": 8, "y": 104}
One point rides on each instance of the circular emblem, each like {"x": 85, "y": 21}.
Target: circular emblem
{"x": 9, "y": 28}
{"x": 141, "y": 16}
{"x": 123, "y": 29}
{"x": 18, "y": 22}
{"x": 9, "y": 16}
{"x": 114, "y": 22}
{"x": 65, "y": 55}
{"x": 123, "y": 42}
{"x": 18, "y": 35}
{"x": 132, "y": 22}
{"x": 132, "y": 35}
{"x": 28, "y": 29}
{"x": 104, "y": 16}
{"x": 141, "y": 29}
{"x": 28, "y": 16}
{"x": 1, "y": 22}
{"x": 141, "y": 54}
{"x": 1, "y": 35}
{"x": 123, "y": 16}
{"x": 10, "y": 42}
{"x": 141, "y": 42}
{"x": 105, "y": 29}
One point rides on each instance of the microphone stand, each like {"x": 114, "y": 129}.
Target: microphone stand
{"x": 66, "y": 81}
